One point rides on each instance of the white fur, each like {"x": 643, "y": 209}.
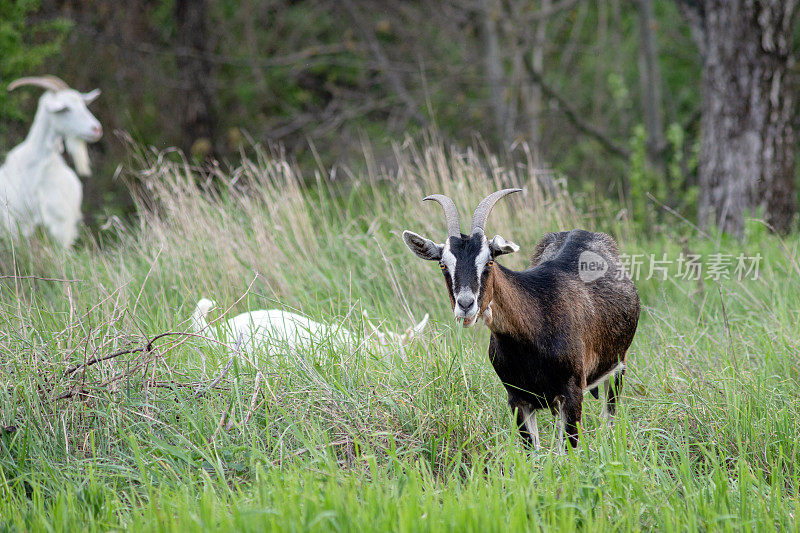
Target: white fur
{"x": 36, "y": 184}
{"x": 613, "y": 372}
{"x": 449, "y": 261}
{"x": 79, "y": 153}
{"x": 531, "y": 426}
{"x": 499, "y": 244}
{"x": 276, "y": 331}
{"x": 481, "y": 259}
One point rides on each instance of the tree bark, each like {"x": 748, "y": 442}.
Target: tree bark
{"x": 535, "y": 104}
{"x": 747, "y": 159}
{"x": 650, "y": 83}
{"x": 195, "y": 74}
{"x": 494, "y": 67}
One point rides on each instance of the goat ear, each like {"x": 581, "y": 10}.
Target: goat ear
{"x": 90, "y": 97}
{"x": 500, "y": 246}
{"x": 424, "y": 248}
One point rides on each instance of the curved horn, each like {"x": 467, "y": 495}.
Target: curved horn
{"x": 485, "y": 207}
{"x": 51, "y": 83}
{"x": 450, "y": 213}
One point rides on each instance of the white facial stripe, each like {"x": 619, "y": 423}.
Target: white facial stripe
{"x": 480, "y": 261}
{"x": 449, "y": 261}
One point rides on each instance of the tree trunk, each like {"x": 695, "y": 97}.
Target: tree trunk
{"x": 535, "y": 101}
{"x": 746, "y": 159}
{"x": 650, "y": 83}
{"x": 494, "y": 67}
{"x": 194, "y": 72}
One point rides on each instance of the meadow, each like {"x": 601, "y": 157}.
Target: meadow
{"x": 105, "y": 428}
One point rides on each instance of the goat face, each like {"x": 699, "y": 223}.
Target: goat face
{"x": 69, "y": 115}
{"x": 466, "y": 262}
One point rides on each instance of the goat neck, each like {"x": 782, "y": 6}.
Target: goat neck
{"x": 504, "y": 307}
{"x": 42, "y": 137}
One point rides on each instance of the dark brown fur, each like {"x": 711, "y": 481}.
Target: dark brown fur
{"x": 552, "y": 332}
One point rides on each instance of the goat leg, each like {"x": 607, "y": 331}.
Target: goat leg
{"x": 526, "y": 423}
{"x": 571, "y": 413}
{"x": 613, "y": 387}
{"x": 568, "y": 408}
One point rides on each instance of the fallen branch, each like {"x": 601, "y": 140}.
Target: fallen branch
{"x": 146, "y": 348}
{"x": 217, "y": 379}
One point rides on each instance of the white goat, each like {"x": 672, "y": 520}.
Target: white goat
{"x": 276, "y": 331}
{"x": 36, "y": 184}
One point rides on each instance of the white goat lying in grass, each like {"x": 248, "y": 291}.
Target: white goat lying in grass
{"x": 276, "y": 331}
{"x": 36, "y": 185}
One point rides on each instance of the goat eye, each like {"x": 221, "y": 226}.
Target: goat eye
{"x": 441, "y": 265}
{"x": 489, "y": 263}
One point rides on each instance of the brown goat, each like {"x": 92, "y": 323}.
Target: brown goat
{"x": 558, "y": 328}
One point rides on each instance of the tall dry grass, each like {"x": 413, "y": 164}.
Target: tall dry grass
{"x": 341, "y": 237}
{"x": 263, "y": 235}
{"x": 706, "y": 436}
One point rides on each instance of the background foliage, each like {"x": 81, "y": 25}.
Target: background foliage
{"x": 25, "y": 45}
{"x": 307, "y": 75}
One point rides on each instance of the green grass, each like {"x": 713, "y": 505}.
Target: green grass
{"x": 353, "y": 440}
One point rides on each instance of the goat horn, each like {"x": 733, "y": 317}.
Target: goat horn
{"x": 51, "y": 83}
{"x": 485, "y": 207}
{"x": 450, "y": 213}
